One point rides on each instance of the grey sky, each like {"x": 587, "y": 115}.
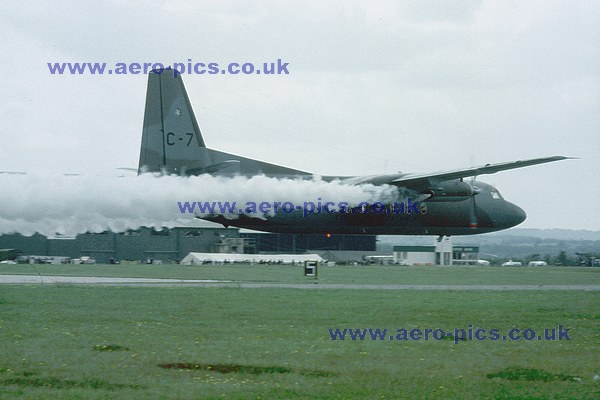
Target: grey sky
{"x": 373, "y": 87}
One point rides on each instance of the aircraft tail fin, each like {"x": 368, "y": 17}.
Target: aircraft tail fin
{"x": 172, "y": 142}
{"x": 171, "y": 138}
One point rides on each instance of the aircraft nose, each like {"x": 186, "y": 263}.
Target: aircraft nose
{"x": 500, "y": 214}
{"x": 515, "y": 215}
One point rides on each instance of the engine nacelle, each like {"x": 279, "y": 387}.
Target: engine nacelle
{"x": 454, "y": 190}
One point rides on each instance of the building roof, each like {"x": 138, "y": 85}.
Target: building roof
{"x": 199, "y": 258}
{"x": 415, "y": 249}
{"x": 200, "y": 223}
{"x": 429, "y": 249}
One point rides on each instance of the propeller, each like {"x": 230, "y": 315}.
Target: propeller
{"x": 473, "y": 221}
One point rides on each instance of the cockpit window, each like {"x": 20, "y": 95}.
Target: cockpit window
{"x": 496, "y": 194}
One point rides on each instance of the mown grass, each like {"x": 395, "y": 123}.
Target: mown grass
{"x": 374, "y": 274}
{"x": 275, "y": 343}
{"x": 531, "y": 374}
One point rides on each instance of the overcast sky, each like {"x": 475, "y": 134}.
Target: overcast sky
{"x": 374, "y": 87}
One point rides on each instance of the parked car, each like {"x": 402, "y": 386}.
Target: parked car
{"x": 511, "y": 263}
{"x": 537, "y": 263}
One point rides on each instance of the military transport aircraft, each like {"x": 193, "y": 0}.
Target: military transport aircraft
{"x": 448, "y": 204}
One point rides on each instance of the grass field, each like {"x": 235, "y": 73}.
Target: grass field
{"x": 100, "y": 342}
{"x": 338, "y": 274}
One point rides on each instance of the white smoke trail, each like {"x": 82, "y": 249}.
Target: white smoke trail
{"x": 71, "y": 205}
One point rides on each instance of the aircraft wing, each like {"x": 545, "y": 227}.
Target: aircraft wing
{"x": 411, "y": 180}
{"x": 417, "y": 181}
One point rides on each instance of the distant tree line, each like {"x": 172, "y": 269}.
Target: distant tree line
{"x": 562, "y": 259}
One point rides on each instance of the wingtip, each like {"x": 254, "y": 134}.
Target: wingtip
{"x": 560, "y": 158}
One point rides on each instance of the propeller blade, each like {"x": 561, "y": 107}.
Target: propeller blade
{"x": 473, "y": 222}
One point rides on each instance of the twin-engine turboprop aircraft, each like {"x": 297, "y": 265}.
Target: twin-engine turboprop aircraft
{"x": 448, "y": 204}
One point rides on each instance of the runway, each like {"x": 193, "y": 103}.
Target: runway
{"x": 312, "y": 285}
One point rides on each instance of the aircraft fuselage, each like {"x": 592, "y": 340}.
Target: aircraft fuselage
{"x": 488, "y": 212}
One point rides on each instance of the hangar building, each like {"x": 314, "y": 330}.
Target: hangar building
{"x": 174, "y": 244}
